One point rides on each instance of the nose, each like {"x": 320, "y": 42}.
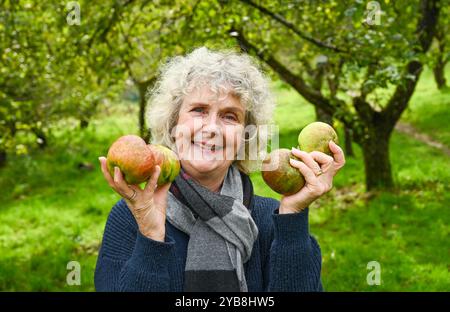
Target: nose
{"x": 211, "y": 127}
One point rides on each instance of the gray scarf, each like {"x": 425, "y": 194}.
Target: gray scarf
{"x": 221, "y": 229}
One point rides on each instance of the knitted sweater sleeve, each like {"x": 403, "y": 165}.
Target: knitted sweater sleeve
{"x": 129, "y": 261}
{"x": 293, "y": 259}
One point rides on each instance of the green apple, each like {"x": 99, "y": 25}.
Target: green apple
{"x": 315, "y": 137}
{"x": 168, "y": 161}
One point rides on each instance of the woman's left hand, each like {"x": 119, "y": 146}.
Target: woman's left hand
{"x": 318, "y": 169}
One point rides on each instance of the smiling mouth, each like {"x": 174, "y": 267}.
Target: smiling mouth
{"x": 207, "y": 147}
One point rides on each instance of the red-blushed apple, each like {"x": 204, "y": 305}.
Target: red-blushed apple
{"x": 133, "y": 157}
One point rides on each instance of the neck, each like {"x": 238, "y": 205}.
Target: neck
{"x": 212, "y": 181}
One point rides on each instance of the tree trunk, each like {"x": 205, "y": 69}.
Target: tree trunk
{"x": 439, "y": 74}
{"x": 377, "y": 162}
{"x": 441, "y": 58}
{"x": 348, "y": 142}
{"x": 142, "y": 88}
{"x": 143, "y": 132}
{"x": 323, "y": 116}
{"x": 2, "y": 158}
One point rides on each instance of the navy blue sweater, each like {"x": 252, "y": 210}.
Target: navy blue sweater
{"x": 284, "y": 258}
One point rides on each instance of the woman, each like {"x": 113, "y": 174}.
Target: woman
{"x": 207, "y": 231}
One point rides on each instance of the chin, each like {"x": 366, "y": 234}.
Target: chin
{"x": 206, "y": 166}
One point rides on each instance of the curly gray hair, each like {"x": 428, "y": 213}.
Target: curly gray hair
{"x": 220, "y": 70}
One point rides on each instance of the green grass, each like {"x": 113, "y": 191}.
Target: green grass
{"x": 53, "y": 213}
{"x": 406, "y": 230}
{"x": 429, "y": 110}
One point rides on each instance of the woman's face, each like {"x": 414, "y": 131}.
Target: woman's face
{"x": 209, "y": 131}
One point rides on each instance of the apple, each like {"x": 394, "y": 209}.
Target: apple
{"x": 278, "y": 173}
{"x": 133, "y": 157}
{"x": 315, "y": 137}
{"x": 168, "y": 161}
{"x": 276, "y": 170}
{"x": 137, "y": 160}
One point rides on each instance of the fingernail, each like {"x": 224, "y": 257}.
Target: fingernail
{"x": 295, "y": 149}
{"x": 293, "y": 161}
{"x": 100, "y": 159}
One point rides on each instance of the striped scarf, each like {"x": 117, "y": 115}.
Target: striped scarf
{"x": 221, "y": 230}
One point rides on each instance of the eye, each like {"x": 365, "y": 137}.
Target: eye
{"x": 231, "y": 117}
{"x": 198, "y": 109}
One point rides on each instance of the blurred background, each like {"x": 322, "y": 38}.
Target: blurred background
{"x": 74, "y": 76}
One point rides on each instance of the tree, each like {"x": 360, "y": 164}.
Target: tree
{"x": 54, "y": 67}
{"x": 441, "y": 51}
{"x": 44, "y": 78}
{"x": 140, "y": 36}
{"x": 373, "y": 69}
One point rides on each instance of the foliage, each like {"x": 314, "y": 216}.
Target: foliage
{"x": 44, "y": 75}
{"x": 359, "y": 69}
{"x": 53, "y": 211}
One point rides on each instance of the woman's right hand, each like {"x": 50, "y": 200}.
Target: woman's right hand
{"x": 148, "y": 205}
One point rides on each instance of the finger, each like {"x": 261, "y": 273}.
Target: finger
{"x": 306, "y": 171}
{"x": 121, "y": 185}
{"x": 165, "y": 187}
{"x": 105, "y": 172}
{"x": 137, "y": 188}
{"x": 110, "y": 179}
{"x": 307, "y": 159}
{"x": 338, "y": 154}
{"x": 152, "y": 182}
{"x": 321, "y": 158}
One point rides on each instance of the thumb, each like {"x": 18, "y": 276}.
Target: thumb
{"x": 152, "y": 182}
{"x": 161, "y": 194}
{"x": 163, "y": 190}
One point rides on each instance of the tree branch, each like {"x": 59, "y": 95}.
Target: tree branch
{"x": 427, "y": 23}
{"x": 141, "y": 83}
{"x": 294, "y": 80}
{"x": 334, "y": 106}
{"x": 124, "y": 59}
{"x": 110, "y": 23}
{"x": 363, "y": 109}
{"x": 333, "y": 83}
{"x": 426, "y": 26}
{"x": 292, "y": 27}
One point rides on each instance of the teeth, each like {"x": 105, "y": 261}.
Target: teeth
{"x": 212, "y": 148}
